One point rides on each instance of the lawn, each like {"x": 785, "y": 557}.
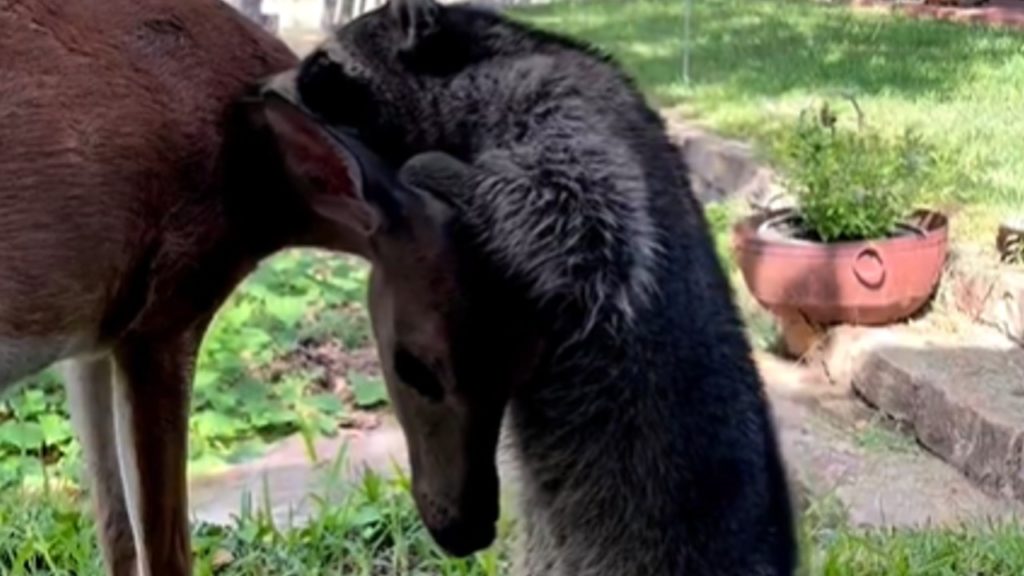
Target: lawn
{"x": 374, "y": 531}
{"x": 757, "y": 63}
{"x": 270, "y": 365}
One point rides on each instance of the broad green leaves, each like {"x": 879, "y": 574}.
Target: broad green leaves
{"x": 237, "y": 403}
{"x": 246, "y": 392}
{"x": 21, "y": 436}
{"x": 368, "y": 392}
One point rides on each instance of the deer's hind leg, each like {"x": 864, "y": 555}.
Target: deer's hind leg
{"x": 151, "y": 394}
{"x": 89, "y": 384}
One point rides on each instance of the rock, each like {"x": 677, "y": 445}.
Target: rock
{"x": 876, "y": 486}
{"x": 990, "y": 294}
{"x": 961, "y": 395}
{"x": 723, "y": 169}
{"x": 222, "y": 558}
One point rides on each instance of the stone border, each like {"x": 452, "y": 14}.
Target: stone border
{"x": 960, "y": 395}
{"x": 989, "y": 295}
{"x": 722, "y": 169}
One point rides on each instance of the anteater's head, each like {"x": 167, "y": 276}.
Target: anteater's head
{"x": 455, "y": 335}
{"x": 385, "y": 73}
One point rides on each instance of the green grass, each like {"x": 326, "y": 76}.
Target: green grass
{"x": 761, "y": 327}
{"x": 832, "y": 548}
{"x": 756, "y": 63}
{"x": 880, "y": 435}
{"x": 374, "y": 531}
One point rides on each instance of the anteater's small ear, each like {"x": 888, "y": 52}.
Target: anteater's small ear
{"x": 445, "y": 177}
{"x": 417, "y": 19}
{"x": 323, "y": 172}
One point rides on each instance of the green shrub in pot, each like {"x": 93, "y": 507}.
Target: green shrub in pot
{"x": 852, "y": 183}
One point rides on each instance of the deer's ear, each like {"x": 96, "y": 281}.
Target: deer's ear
{"x": 417, "y": 19}
{"x": 320, "y": 168}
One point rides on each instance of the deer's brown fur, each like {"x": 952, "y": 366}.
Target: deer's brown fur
{"x": 112, "y": 129}
{"x": 132, "y": 201}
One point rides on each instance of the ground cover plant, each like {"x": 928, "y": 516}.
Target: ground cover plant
{"x": 268, "y": 368}
{"x": 374, "y": 531}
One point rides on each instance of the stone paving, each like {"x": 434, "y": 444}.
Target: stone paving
{"x": 288, "y": 475}
{"x": 836, "y": 448}
{"x": 960, "y": 395}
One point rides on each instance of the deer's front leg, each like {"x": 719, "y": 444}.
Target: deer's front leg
{"x": 89, "y": 385}
{"x": 151, "y": 395}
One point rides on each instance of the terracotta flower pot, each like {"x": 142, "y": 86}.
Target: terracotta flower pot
{"x": 869, "y": 283}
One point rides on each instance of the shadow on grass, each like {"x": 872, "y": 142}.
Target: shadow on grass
{"x": 764, "y": 48}
{"x": 756, "y": 62}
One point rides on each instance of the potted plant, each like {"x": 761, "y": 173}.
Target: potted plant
{"x": 854, "y": 249}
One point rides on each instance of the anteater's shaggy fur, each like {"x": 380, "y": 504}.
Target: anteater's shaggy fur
{"x": 645, "y": 440}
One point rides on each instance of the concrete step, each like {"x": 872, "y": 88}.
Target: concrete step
{"x": 959, "y": 394}
{"x": 838, "y": 451}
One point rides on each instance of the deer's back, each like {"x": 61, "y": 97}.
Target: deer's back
{"x": 112, "y": 118}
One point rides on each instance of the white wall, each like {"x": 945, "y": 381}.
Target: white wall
{"x": 310, "y": 13}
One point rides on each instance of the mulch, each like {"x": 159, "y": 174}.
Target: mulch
{"x": 994, "y": 13}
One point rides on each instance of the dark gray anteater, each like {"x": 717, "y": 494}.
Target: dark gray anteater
{"x": 561, "y": 270}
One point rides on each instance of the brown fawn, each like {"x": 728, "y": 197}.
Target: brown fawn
{"x": 143, "y": 174}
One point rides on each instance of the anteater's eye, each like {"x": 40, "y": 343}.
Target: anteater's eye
{"x": 318, "y": 77}
{"x": 326, "y": 89}
{"x": 415, "y": 374}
